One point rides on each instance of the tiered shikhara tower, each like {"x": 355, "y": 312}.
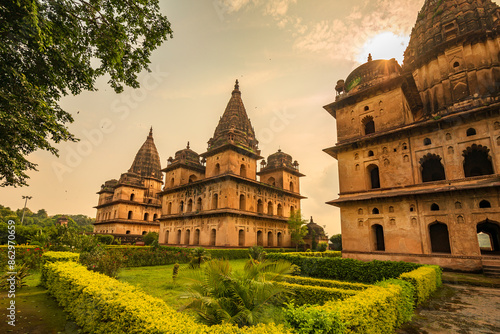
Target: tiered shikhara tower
{"x": 419, "y": 145}
{"x": 215, "y": 199}
{"x": 131, "y": 205}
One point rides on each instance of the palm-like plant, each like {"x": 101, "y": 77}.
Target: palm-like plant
{"x": 222, "y": 295}
{"x": 198, "y": 256}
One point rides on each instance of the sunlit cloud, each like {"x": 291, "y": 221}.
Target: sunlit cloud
{"x": 385, "y": 45}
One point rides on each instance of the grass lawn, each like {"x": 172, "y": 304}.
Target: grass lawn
{"x": 157, "y": 281}
{"x": 36, "y": 311}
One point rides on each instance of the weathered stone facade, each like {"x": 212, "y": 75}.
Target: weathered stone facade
{"x": 215, "y": 199}
{"x": 419, "y": 145}
{"x": 131, "y": 205}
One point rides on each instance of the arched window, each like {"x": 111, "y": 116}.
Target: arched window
{"x": 260, "y": 238}
{"x": 270, "y": 239}
{"x": 127, "y": 232}
{"x": 280, "y": 210}
{"x": 477, "y": 161}
{"x": 368, "y": 125}
{"x": 243, "y": 171}
{"x": 196, "y": 240}
{"x": 291, "y": 187}
{"x": 270, "y": 208}
{"x": 260, "y": 206}
{"x": 484, "y": 204}
{"x": 432, "y": 168}
{"x": 217, "y": 169}
{"x": 375, "y": 211}
{"x": 391, "y": 209}
{"x": 378, "y": 237}
{"x": 458, "y": 205}
{"x": 434, "y": 207}
{"x": 167, "y": 234}
{"x": 412, "y": 208}
{"x": 144, "y": 232}
{"x": 471, "y": 132}
{"x": 129, "y": 216}
{"x": 187, "y": 237}
{"x": 370, "y": 153}
{"x": 192, "y": 178}
{"x": 367, "y": 108}
{"x": 374, "y": 177}
{"x": 243, "y": 205}
{"x": 488, "y": 235}
{"x": 360, "y": 211}
{"x": 146, "y": 216}
{"x": 181, "y": 207}
{"x": 199, "y": 205}
{"x": 292, "y": 210}
{"x": 155, "y": 216}
{"x": 215, "y": 201}
{"x": 213, "y": 237}
{"x": 271, "y": 181}
{"x": 190, "y": 206}
{"x": 279, "y": 239}
{"x": 172, "y": 182}
{"x": 440, "y": 239}
{"x": 427, "y": 141}
{"x": 169, "y": 208}
{"x": 132, "y": 197}
{"x": 179, "y": 237}
{"x": 241, "y": 238}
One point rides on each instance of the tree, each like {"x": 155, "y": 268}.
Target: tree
{"x": 241, "y": 298}
{"x": 297, "y": 227}
{"x": 52, "y": 48}
{"x": 336, "y": 241}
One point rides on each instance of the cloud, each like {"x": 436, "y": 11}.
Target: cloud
{"x": 278, "y": 8}
{"x": 344, "y": 38}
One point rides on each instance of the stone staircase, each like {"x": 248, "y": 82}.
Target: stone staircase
{"x": 491, "y": 266}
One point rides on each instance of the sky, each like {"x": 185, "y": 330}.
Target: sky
{"x": 287, "y": 56}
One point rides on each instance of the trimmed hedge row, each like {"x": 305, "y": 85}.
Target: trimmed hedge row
{"x": 324, "y": 283}
{"x": 347, "y": 269}
{"x": 100, "y": 304}
{"x": 318, "y": 254}
{"x": 374, "y": 310}
{"x": 425, "y": 281}
{"x": 51, "y": 257}
{"x": 315, "y": 295}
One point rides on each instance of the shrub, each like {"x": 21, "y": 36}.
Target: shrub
{"x": 322, "y": 246}
{"x": 30, "y": 255}
{"x": 307, "y": 320}
{"x": 198, "y": 257}
{"x": 149, "y": 238}
{"x": 405, "y": 305}
{"x": 314, "y": 295}
{"x": 50, "y": 257}
{"x": 256, "y": 252}
{"x": 175, "y": 271}
{"x": 14, "y": 277}
{"x": 105, "y": 239}
{"x": 102, "y": 261}
{"x": 101, "y": 305}
{"x": 347, "y": 269}
{"x": 325, "y": 283}
{"x": 425, "y": 280}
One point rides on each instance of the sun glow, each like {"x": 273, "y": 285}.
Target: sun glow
{"x": 385, "y": 45}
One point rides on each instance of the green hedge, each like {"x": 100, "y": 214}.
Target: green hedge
{"x": 374, "y": 310}
{"x": 347, "y": 269}
{"x": 425, "y": 280}
{"x": 101, "y": 305}
{"x": 405, "y": 305}
{"x": 325, "y": 283}
{"x": 25, "y": 254}
{"x": 51, "y": 257}
{"x": 314, "y": 295}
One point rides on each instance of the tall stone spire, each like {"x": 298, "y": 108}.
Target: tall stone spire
{"x": 234, "y": 126}
{"x": 147, "y": 160}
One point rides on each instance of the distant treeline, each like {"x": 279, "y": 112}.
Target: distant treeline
{"x": 36, "y": 222}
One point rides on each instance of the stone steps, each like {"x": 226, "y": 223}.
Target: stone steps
{"x": 491, "y": 266}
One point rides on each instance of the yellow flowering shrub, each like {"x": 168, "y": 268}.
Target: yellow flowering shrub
{"x": 49, "y": 257}
{"x": 101, "y": 304}
{"x": 425, "y": 280}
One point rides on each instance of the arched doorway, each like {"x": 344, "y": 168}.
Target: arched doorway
{"x": 378, "y": 237}
{"x": 243, "y": 171}
{"x": 260, "y": 238}
{"x": 213, "y": 237}
{"x": 196, "y": 240}
{"x": 167, "y": 234}
{"x": 374, "y": 177}
{"x": 488, "y": 235}
{"x": 243, "y": 205}
{"x": 187, "y": 237}
{"x": 241, "y": 238}
{"x": 270, "y": 242}
{"x": 279, "y": 239}
{"x": 179, "y": 235}
{"x": 440, "y": 238}
{"x": 260, "y": 206}
{"x": 215, "y": 201}
{"x": 477, "y": 161}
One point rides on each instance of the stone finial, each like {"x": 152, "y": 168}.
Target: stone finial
{"x": 151, "y": 132}
{"x": 236, "y": 85}
{"x": 370, "y": 57}
{"x": 187, "y": 146}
